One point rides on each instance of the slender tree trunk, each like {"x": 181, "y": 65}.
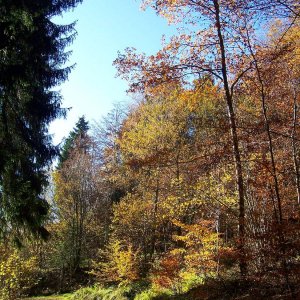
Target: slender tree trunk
{"x": 153, "y": 238}
{"x": 294, "y": 146}
{"x": 279, "y": 218}
{"x": 235, "y": 142}
{"x": 270, "y": 141}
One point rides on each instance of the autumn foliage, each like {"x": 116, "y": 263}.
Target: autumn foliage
{"x": 198, "y": 178}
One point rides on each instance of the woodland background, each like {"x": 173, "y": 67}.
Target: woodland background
{"x": 194, "y": 184}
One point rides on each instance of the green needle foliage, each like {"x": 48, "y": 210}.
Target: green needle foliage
{"x": 79, "y": 131}
{"x": 32, "y": 58}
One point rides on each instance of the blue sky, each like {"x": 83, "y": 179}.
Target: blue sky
{"x": 104, "y": 27}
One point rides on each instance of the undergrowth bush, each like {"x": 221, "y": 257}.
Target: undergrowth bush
{"x": 135, "y": 291}
{"x": 116, "y": 263}
{"x": 17, "y": 274}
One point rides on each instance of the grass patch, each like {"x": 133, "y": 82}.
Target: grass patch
{"x": 53, "y": 297}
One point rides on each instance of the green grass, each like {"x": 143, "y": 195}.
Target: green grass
{"x": 54, "y": 297}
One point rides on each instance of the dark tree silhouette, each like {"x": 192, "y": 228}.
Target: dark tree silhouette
{"x": 32, "y": 58}
{"x": 79, "y": 132}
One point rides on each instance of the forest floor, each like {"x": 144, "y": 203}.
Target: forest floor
{"x": 53, "y": 297}
{"x": 196, "y": 294}
{"x": 213, "y": 290}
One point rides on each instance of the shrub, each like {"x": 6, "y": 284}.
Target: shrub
{"x": 118, "y": 264}
{"x": 17, "y": 274}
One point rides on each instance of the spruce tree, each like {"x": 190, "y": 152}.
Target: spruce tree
{"x": 32, "y": 58}
{"x": 79, "y": 131}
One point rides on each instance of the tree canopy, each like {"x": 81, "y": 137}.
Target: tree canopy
{"x": 79, "y": 132}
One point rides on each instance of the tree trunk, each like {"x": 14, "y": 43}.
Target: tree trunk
{"x": 294, "y": 146}
{"x": 235, "y": 143}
